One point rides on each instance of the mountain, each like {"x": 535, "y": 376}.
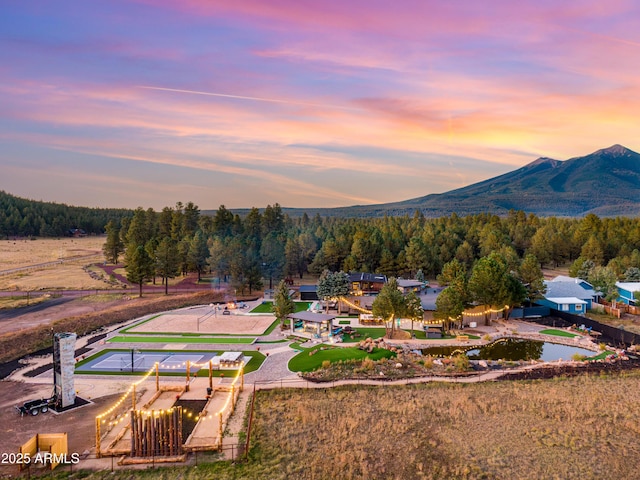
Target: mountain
{"x": 605, "y": 183}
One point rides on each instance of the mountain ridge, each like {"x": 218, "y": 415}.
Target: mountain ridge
{"x": 605, "y": 182}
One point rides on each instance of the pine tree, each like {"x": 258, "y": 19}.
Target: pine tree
{"x": 140, "y": 266}
{"x": 282, "y": 303}
{"x": 113, "y": 246}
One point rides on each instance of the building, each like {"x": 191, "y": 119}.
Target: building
{"x": 626, "y": 290}
{"x": 568, "y": 294}
{"x": 406, "y": 286}
{"x": 566, "y": 304}
{"x": 309, "y": 293}
{"x": 366, "y": 283}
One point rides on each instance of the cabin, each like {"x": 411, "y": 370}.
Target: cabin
{"x": 366, "y": 283}
{"x": 406, "y": 286}
{"x": 566, "y": 304}
{"x": 564, "y": 288}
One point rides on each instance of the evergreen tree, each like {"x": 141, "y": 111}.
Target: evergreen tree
{"x": 167, "y": 264}
{"x": 488, "y": 283}
{"x": 113, "y": 246}
{"x": 413, "y": 308}
{"x": 282, "y": 303}
{"x": 531, "y": 276}
{"x": 389, "y": 305}
{"x": 198, "y": 253}
{"x": 140, "y": 266}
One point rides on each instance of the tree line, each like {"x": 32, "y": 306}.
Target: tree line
{"x": 20, "y": 217}
{"x": 266, "y": 245}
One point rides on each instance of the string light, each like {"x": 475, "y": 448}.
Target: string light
{"x": 126, "y": 394}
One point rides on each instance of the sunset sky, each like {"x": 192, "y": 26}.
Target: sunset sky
{"x": 304, "y": 103}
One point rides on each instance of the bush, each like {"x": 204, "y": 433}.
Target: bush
{"x": 326, "y": 364}
{"x": 578, "y": 357}
{"x": 368, "y": 364}
{"x": 461, "y": 362}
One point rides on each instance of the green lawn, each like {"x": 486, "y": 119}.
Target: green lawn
{"x": 558, "y": 333}
{"x": 303, "y": 362}
{"x": 344, "y": 322}
{"x": 365, "y": 332}
{"x": 179, "y": 339}
{"x": 601, "y": 355}
{"x": 265, "y": 307}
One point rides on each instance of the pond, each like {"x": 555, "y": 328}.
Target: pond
{"x": 512, "y": 349}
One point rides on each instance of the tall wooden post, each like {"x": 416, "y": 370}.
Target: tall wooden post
{"x": 188, "y": 375}
{"x": 157, "y": 376}
{"x": 233, "y": 399}
{"x": 220, "y": 431}
{"x": 97, "y": 437}
{"x": 242, "y": 377}
{"x": 210, "y": 374}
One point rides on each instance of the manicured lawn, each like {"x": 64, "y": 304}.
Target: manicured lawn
{"x": 303, "y": 362}
{"x": 558, "y": 333}
{"x": 125, "y": 330}
{"x": 365, "y": 332}
{"x": 344, "y": 322}
{"x": 179, "y": 339}
{"x": 601, "y": 355}
{"x": 272, "y": 327}
{"x": 265, "y": 307}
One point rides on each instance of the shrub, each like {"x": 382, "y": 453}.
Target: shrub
{"x": 368, "y": 364}
{"x": 578, "y": 357}
{"x": 461, "y": 362}
{"x": 326, "y": 364}
{"x": 428, "y": 362}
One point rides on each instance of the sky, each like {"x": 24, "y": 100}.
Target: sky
{"x": 304, "y": 103}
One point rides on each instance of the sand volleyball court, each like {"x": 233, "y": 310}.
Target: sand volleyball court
{"x": 205, "y": 320}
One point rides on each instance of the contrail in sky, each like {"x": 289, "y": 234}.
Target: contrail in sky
{"x": 242, "y": 97}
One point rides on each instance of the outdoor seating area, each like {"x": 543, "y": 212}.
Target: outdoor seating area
{"x": 313, "y": 325}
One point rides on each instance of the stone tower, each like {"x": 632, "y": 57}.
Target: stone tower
{"x": 64, "y": 363}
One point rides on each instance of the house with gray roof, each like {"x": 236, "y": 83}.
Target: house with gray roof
{"x": 567, "y": 294}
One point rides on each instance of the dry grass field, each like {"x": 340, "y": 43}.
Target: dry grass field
{"x": 567, "y": 428}
{"x": 581, "y": 427}
{"x": 25, "y": 253}
{"x": 22, "y": 253}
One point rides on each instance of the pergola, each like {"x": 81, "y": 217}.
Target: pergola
{"x": 317, "y": 324}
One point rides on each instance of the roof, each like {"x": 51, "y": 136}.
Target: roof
{"x": 308, "y": 288}
{"x": 567, "y": 289}
{"x": 629, "y": 286}
{"x": 566, "y": 300}
{"x": 409, "y": 283}
{"x": 367, "y": 277}
{"x": 312, "y": 317}
{"x": 231, "y": 356}
{"x": 579, "y": 281}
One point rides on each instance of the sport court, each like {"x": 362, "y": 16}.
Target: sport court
{"x": 204, "y": 320}
{"x": 121, "y": 361}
